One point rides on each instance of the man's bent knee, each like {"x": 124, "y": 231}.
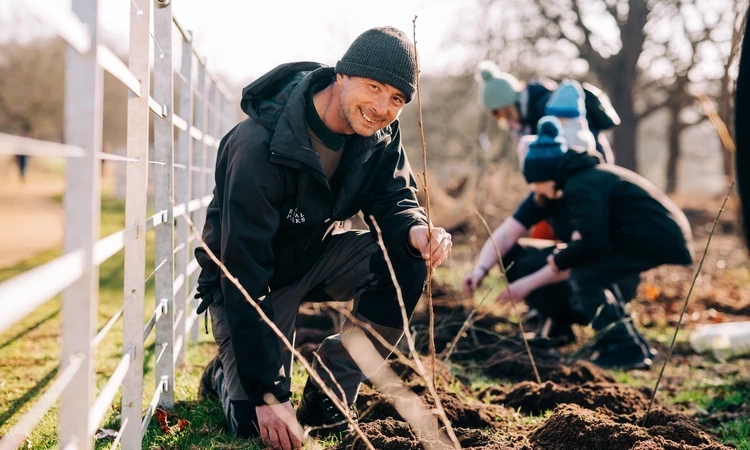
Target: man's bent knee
{"x": 378, "y": 300}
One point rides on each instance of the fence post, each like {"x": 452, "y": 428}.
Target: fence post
{"x": 163, "y": 148}
{"x": 182, "y": 193}
{"x": 135, "y": 215}
{"x": 196, "y": 170}
{"x": 83, "y": 128}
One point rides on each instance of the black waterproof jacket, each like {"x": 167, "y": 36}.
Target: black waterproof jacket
{"x": 617, "y": 210}
{"x": 273, "y": 204}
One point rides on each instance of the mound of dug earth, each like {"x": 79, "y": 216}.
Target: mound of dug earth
{"x": 516, "y": 367}
{"x": 572, "y": 427}
{"x": 579, "y": 372}
{"x": 536, "y": 398}
{"x": 390, "y": 434}
{"x": 374, "y": 406}
{"x": 409, "y": 375}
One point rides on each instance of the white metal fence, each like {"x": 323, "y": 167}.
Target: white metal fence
{"x": 183, "y": 172}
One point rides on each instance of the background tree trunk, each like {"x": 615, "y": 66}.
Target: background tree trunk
{"x": 673, "y": 155}
{"x": 619, "y": 80}
{"x": 625, "y": 135}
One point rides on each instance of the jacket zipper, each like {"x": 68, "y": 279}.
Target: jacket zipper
{"x": 319, "y": 175}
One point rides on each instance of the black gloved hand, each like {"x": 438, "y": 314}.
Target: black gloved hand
{"x": 210, "y": 295}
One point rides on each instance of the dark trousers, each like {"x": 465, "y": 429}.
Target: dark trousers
{"x": 352, "y": 266}
{"x": 578, "y": 299}
{"x": 597, "y": 295}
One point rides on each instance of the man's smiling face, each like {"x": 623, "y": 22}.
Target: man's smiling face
{"x": 368, "y": 105}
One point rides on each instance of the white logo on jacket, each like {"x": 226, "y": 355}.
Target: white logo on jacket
{"x": 295, "y": 217}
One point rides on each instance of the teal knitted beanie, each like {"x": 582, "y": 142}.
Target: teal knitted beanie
{"x": 497, "y": 89}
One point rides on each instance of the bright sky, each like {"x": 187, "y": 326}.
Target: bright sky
{"x": 242, "y": 39}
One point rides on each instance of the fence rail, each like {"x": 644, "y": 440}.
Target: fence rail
{"x": 183, "y": 175}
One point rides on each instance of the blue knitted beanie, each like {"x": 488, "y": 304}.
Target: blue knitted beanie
{"x": 567, "y": 101}
{"x": 546, "y": 152}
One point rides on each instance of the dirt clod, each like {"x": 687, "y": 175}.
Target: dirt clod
{"x": 391, "y": 434}
{"x": 515, "y": 366}
{"x": 533, "y": 398}
{"x": 579, "y": 372}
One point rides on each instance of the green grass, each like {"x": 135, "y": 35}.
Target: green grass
{"x": 29, "y": 351}
{"x": 29, "y": 358}
{"x": 736, "y": 432}
{"x": 479, "y": 382}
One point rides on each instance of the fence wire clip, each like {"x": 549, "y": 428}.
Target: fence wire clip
{"x": 164, "y": 384}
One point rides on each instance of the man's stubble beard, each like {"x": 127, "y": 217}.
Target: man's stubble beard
{"x": 346, "y": 115}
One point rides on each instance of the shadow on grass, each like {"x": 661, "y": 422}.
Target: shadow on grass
{"x": 30, "y": 394}
{"x": 29, "y": 329}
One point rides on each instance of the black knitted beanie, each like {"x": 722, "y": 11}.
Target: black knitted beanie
{"x": 384, "y": 54}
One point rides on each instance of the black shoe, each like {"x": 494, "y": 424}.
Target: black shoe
{"x": 631, "y": 357}
{"x": 318, "y": 412}
{"x": 647, "y": 347}
{"x": 206, "y": 389}
{"x": 623, "y": 292}
{"x": 533, "y": 319}
{"x": 559, "y": 335}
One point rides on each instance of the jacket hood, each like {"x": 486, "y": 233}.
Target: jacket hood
{"x": 573, "y": 162}
{"x": 265, "y": 98}
{"x": 532, "y": 101}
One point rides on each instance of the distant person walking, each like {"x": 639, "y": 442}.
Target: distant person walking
{"x": 22, "y": 159}
{"x": 22, "y": 162}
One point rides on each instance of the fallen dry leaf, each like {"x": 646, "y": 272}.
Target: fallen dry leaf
{"x": 182, "y": 424}
{"x": 163, "y": 419}
{"x": 651, "y": 292}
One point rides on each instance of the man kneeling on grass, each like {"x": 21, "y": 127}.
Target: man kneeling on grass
{"x": 616, "y": 225}
{"x": 319, "y": 145}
